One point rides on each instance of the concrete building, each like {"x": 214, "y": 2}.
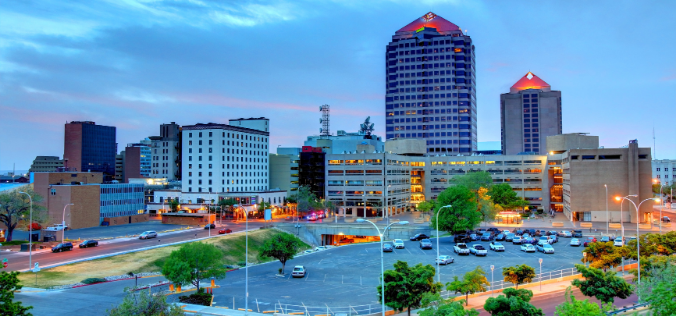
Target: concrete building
{"x": 137, "y": 160}
{"x": 90, "y": 147}
{"x": 166, "y": 152}
{"x": 225, "y": 158}
{"x": 343, "y": 142}
{"x": 260, "y": 123}
{"x": 529, "y": 113}
{"x": 284, "y": 169}
{"x": 200, "y": 201}
{"x": 431, "y": 86}
{"x": 46, "y": 164}
{"x": 119, "y": 167}
{"x": 664, "y": 171}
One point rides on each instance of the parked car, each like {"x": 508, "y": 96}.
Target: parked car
{"x": 506, "y": 231}
{"x": 473, "y": 237}
{"x": 62, "y": 247}
{"x": 565, "y": 233}
{"x": 494, "y": 230}
{"x": 478, "y": 250}
{"x": 500, "y": 237}
{"x": 529, "y": 240}
{"x": 210, "y": 226}
{"x": 543, "y": 240}
{"x": 461, "y": 249}
{"x": 147, "y": 235}
{"x": 618, "y": 242}
{"x": 496, "y": 246}
{"x": 588, "y": 240}
{"x": 225, "y": 231}
{"x": 525, "y": 235}
{"x": 480, "y": 231}
{"x": 487, "y": 236}
{"x": 443, "y": 259}
{"x": 517, "y": 240}
{"x": 298, "y": 271}
{"x": 527, "y": 248}
{"x": 461, "y": 238}
{"x": 575, "y": 242}
{"x": 88, "y": 243}
{"x": 425, "y": 244}
{"x": 666, "y": 219}
{"x": 553, "y": 239}
{"x": 533, "y": 232}
{"x": 398, "y": 244}
{"x": 551, "y": 232}
{"x": 605, "y": 239}
{"x": 519, "y": 232}
{"x": 577, "y": 233}
{"x": 56, "y": 227}
{"x": 509, "y": 237}
{"x": 545, "y": 248}
{"x": 417, "y": 237}
{"x": 312, "y": 217}
{"x": 388, "y": 247}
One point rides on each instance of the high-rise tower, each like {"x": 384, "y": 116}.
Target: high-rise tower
{"x": 90, "y": 147}
{"x": 431, "y": 86}
{"x": 529, "y": 113}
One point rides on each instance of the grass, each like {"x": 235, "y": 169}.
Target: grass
{"x": 15, "y": 242}
{"x": 146, "y": 261}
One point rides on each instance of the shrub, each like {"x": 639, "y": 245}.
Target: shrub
{"x": 241, "y": 263}
{"x": 93, "y": 280}
{"x": 199, "y": 298}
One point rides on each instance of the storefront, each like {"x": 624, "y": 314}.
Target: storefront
{"x": 508, "y": 217}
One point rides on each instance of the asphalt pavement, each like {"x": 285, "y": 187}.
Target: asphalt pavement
{"x": 108, "y": 231}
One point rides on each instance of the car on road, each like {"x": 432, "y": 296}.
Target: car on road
{"x": 605, "y": 239}
{"x": 388, "y": 247}
{"x": 527, "y": 248}
{"x": 56, "y": 228}
{"x": 321, "y": 248}
{"x": 545, "y": 248}
{"x": 566, "y": 233}
{"x": 543, "y": 240}
{"x": 496, "y": 246}
{"x": 509, "y": 237}
{"x": 210, "y": 226}
{"x": 147, "y": 235}
{"x": 312, "y": 217}
{"x": 588, "y": 240}
{"x": 398, "y": 244}
{"x": 500, "y": 237}
{"x": 473, "y": 237}
{"x": 666, "y": 219}
{"x": 553, "y": 239}
{"x": 461, "y": 249}
{"x": 298, "y": 271}
{"x": 225, "y": 231}
{"x": 618, "y": 242}
{"x": 575, "y": 242}
{"x": 88, "y": 243}
{"x": 478, "y": 250}
{"x": 420, "y": 236}
{"x": 62, "y": 247}
{"x": 443, "y": 259}
{"x": 487, "y": 236}
{"x": 577, "y": 233}
{"x": 425, "y": 244}
{"x": 517, "y": 240}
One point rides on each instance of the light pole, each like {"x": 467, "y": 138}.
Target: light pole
{"x": 661, "y": 205}
{"x": 382, "y": 260}
{"x": 607, "y": 214}
{"x": 540, "y": 260}
{"x": 492, "y": 268}
{"x": 246, "y": 262}
{"x": 622, "y": 201}
{"x": 584, "y": 256}
{"x": 30, "y": 232}
{"x": 63, "y": 223}
{"x": 438, "y": 264}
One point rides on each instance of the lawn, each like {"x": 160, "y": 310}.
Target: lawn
{"x": 146, "y": 261}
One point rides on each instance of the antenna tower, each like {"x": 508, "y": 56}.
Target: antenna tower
{"x": 324, "y": 131}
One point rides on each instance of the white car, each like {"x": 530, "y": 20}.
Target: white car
{"x": 496, "y": 246}
{"x": 527, "y": 248}
{"x": 147, "y": 235}
{"x": 517, "y": 240}
{"x": 546, "y": 248}
{"x": 506, "y": 231}
{"x": 443, "y": 259}
{"x": 461, "y": 249}
{"x": 298, "y": 272}
{"x": 575, "y": 242}
{"x": 618, "y": 242}
{"x": 320, "y": 248}
{"x": 56, "y": 228}
{"x": 543, "y": 240}
{"x": 566, "y": 233}
{"x": 398, "y": 244}
{"x": 478, "y": 250}
{"x": 553, "y": 239}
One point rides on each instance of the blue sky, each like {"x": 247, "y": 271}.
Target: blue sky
{"x": 136, "y": 64}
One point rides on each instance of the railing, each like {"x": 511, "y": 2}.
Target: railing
{"x": 628, "y": 308}
{"x": 290, "y": 309}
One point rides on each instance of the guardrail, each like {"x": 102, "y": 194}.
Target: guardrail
{"x": 629, "y": 308}
{"x": 290, "y": 309}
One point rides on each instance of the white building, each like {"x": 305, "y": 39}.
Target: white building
{"x": 664, "y": 170}
{"x": 225, "y": 158}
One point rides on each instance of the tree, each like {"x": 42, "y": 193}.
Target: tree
{"x": 282, "y": 247}
{"x": 15, "y": 208}
{"x": 437, "y": 306}
{"x": 426, "y": 206}
{"x": 173, "y": 205}
{"x": 9, "y": 282}
{"x": 405, "y": 286}
{"x": 263, "y": 206}
{"x": 472, "y": 282}
{"x": 513, "y": 303}
{"x": 573, "y": 307}
{"x": 518, "y": 274}
{"x": 660, "y": 289}
{"x": 461, "y": 216}
{"x": 474, "y": 180}
{"x": 227, "y": 203}
{"x": 486, "y": 206}
{"x": 143, "y": 303}
{"x": 502, "y": 194}
{"x": 305, "y": 199}
{"x": 193, "y": 262}
{"x": 605, "y": 286}
{"x": 603, "y": 255}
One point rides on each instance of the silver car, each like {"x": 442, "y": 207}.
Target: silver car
{"x": 527, "y": 248}
{"x": 398, "y": 244}
{"x": 298, "y": 271}
{"x": 575, "y": 242}
{"x": 443, "y": 259}
{"x": 545, "y": 248}
{"x": 566, "y": 233}
{"x": 147, "y": 235}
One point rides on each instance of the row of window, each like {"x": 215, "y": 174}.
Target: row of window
{"x": 236, "y": 136}
{"x": 430, "y": 43}
{"x": 235, "y": 189}
{"x": 235, "y": 181}
{"x": 665, "y": 169}
{"x": 234, "y": 166}
{"x": 428, "y": 135}
{"x": 223, "y": 158}
{"x": 234, "y": 174}
{"x": 240, "y": 144}
{"x": 121, "y": 202}
{"x": 426, "y": 127}
{"x": 428, "y": 74}
{"x": 391, "y": 106}
{"x": 423, "y": 96}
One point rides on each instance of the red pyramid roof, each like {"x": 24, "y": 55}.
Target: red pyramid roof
{"x": 430, "y": 20}
{"x": 529, "y": 81}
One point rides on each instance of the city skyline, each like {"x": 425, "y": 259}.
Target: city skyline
{"x": 137, "y": 65}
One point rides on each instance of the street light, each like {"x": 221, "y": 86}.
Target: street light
{"x": 30, "y": 232}
{"x": 661, "y": 205}
{"x": 246, "y": 262}
{"x": 584, "y": 256}
{"x": 541, "y": 274}
{"x": 63, "y": 222}
{"x": 607, "y": 214}
{"x": 492, "y": 267}
{"x": 382, "y": 260}
{"x": 621, "y": 199}
{"x": 438, "y": 264}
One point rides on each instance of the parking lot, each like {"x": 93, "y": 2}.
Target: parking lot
{"x": 348, "y": 275}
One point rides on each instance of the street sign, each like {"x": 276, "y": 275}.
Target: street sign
{"x": 37, "y": 267}
{"x": 4, "y": 263}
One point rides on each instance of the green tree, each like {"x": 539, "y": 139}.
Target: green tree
{"x": 15, "y": 209}
{"x": 474, "y": 180}
{"x": 502, "y": 194}
{"x": 142, "y": 303}
{"x": 472, "y": 282}
{"x": 518, "y": 274}
{"x": 426, "y": 206}
{"x": 605, "y": 286}
{"x": 405, "y": 286}
{"x": 282, "y": 247}
{"x": 227, "y": 203}
{"x": 437, "y": 306}
{"x": 193, "y": 262}
{"x": 173, "y": 205}
{"x": 513, "y": 303}
{"x": 660, "y": 289}
{"x": 573, "y": 307}
{"x": 603, "y": 255}
{"x": 263, "y": 206}
{"x": 461, "y": 216}
{"x": 9, "y": 282}
{"x": 305, "y": 199}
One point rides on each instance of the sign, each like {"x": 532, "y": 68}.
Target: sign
{"x": 268, "y": 214}
{"x": 4, "y": 263}
{"x": 420, "y": 29}
{"x": 37, "y": 267}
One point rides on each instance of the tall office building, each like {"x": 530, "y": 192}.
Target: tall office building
{"x": 529, "y": 113}
{"x": 431, "y": 86}
{"x": 167, "y": 152}
{"x": 90, "y": 148}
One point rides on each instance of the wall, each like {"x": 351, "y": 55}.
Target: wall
{"x": 559, "y": 143}
{"x": 280, "y": 172}
{"x": 122, "y": 220}
{"x": 132, "y": 163}
{"x": 72, "y": 146}
{"x": 188, "y": 219}
{"x": 82, "y": 214}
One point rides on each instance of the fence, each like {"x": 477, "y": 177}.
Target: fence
{"x": 291, "y": 309}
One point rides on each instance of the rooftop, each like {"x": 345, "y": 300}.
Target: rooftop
{"x": 430, "y": 20}
{"x": 529, "y": 81}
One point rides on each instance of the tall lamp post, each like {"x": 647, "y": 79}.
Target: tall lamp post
{"x": 382, "y": 260}
{"x": 540, "y": 260}
{"x": 30, "y": 232}
{"x": 63, "y": 222}
{"x": 607, "y": 214}
{"x": 492, "y": 268}
{"x": 438, "y": 264}
{"x": 661, "y": 205}
{"x": 246, "y": 262}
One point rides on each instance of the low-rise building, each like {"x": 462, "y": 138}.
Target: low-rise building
{"x": 664, "y": 171}
{"x": 46, "y": 164}
{"x": 284, "y": 169}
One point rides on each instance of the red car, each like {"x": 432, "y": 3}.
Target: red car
{"x": 225, "y": 231}
{"x": 588, "y": 240}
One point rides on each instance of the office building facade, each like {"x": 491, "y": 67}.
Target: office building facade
{"x": 431, "y": 86}
{"x": 664, "y": 171}
{"x": 166, "y": 152}
{"x": 90, "y": 147}
{"x": 284, "y": 169}
{"x": 529, "y": 113}
{"x": 137, "y": 160}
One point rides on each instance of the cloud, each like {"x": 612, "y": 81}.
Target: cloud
{"x": 669, "y": 77}
{"x": 495, "y": 66}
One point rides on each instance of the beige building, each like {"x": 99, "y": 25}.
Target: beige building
{"x": 284, "y": 169}
{"x": 46, "y": 164}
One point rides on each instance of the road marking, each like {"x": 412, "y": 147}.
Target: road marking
{"x": 324, "y": 278}
{"x": 307, "y": 276}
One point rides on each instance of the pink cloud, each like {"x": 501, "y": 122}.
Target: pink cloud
{"x": 669, "y": 77}
{"x": 496, "y": 66}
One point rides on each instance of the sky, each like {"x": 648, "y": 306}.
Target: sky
{"x": 136, "y": 64}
